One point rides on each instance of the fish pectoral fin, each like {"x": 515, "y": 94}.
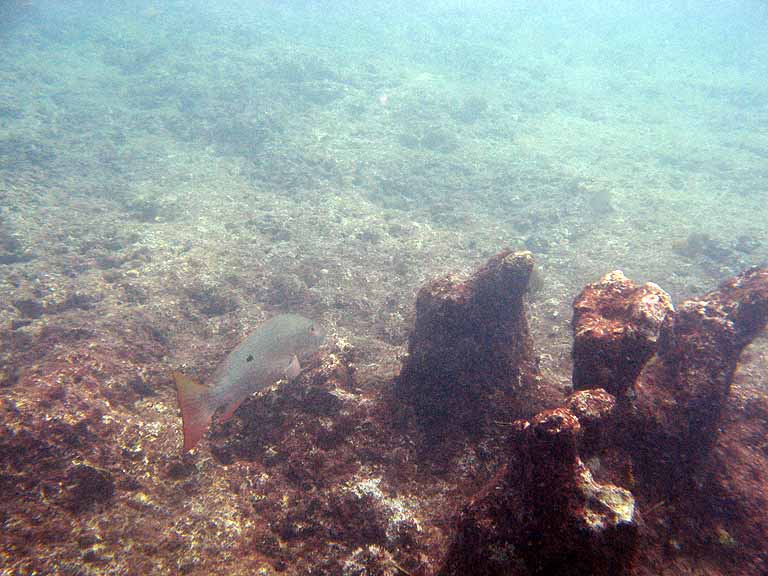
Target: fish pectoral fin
{"x": 293, "y": 369}
{"x": 229, "y": 410}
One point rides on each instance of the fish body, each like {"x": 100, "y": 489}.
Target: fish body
{"x": 270, "y": 353}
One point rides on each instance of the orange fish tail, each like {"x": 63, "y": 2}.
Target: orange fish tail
{"x": 196, "y": 412}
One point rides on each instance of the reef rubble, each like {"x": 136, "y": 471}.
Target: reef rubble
{"x": 466, "y": 461}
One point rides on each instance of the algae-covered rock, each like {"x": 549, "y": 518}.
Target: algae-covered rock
{"x": 86, "y": 486}
{"x": 470, "y": 355}
{"x": 616, "y": 326}
{"x": 546, "y": 511}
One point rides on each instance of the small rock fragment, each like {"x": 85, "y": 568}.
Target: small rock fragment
{"x": 593, "y": 408}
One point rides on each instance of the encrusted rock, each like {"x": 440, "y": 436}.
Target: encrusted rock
{"x": 591, "y": 406}
{"x": 616, "y": 327}
{"x": 86, "y": 486}
{"x": 594, "y": 409}
{"x": 370, "y": 515}
{"x": 681, "y": 396}
{"x": 470, "y": 354}
{"x": 322, "y": 478}
{"x": 544, "y": 513}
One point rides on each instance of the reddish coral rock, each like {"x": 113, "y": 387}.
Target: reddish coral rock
{"x": 470, "y": 355}
{"x": 700, "y": 486}
{"x": 735, "y": 496}
{"x": 681, "y": 396}
{"x": 594, "y": 409}
{"x": 591, "y": 406}
{"x": 544, "y": 513}
{"x": 616, "y": 327}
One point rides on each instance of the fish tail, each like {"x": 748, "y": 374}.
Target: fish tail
{"x": 196, "y": 412}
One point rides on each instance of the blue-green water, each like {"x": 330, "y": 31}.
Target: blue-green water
{"x": 507, "y": 112}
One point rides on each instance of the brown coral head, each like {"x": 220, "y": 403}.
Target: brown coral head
{"x": 552, "y": 437}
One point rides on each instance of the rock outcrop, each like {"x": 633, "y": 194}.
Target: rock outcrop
{"x": 616, "y": 328}
{"x": 470, "y": 356}
{"x": 681, "y": 395}
{"x": 578, "y": 479}
{"x": 660, "y": 470}
{"x": 545, "y": 513}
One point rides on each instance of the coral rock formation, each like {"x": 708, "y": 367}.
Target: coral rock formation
{"x": 616, "y": 328}
{"x": 470, "y": 354}
{"x": 545, "y": 513}
{"x": 326, "y": 474}
{"x": 680, "y": 397}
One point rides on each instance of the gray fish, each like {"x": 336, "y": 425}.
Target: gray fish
{"x": 268, "y": 354}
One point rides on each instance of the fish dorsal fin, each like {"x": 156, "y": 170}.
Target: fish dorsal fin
{"x": 293, "y": 369}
